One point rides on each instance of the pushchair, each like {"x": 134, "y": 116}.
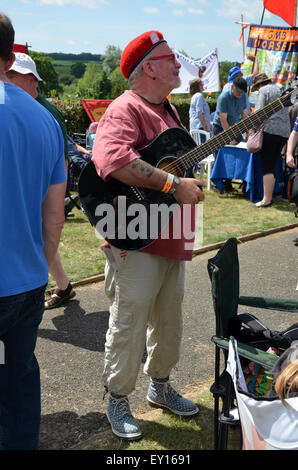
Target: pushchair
{"x": 267, "y": 423}
{"x": 253, "y": 337}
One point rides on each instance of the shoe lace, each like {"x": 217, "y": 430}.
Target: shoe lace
{"x": 122, "y": 404}
{"x": 171, "y": 391}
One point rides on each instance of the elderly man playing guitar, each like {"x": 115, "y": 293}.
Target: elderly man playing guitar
{"x": 147, "y": 284}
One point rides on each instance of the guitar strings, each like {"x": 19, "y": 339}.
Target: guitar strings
{"x": 218, "y": 141}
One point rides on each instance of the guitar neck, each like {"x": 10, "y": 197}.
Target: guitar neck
{"x": 254, "y": 121}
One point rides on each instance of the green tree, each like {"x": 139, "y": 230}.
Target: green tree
{"x": 50, "y": 81}
{"x": 105, "y": 86}
{"x": 78, "y": 69}
{"x": 224, "y": 68}
{"x": 66, "y": 78}
{"x": 94, "y": 84}
{"x": 111, "y": 59}
{"x": 118, "y": 83}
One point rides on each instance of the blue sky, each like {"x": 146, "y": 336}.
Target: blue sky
{"x": 195, "y": 26}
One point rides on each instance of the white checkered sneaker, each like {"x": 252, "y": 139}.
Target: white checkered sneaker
{"x": 162, "y": 395}
{"x": 120, "y": 418}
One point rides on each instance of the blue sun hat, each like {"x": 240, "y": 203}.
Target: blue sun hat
{"x": 232, "y": 72}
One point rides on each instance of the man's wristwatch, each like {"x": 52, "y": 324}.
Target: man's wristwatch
{"x": 173, "y": 188}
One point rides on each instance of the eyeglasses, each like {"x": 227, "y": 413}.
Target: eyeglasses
{"x": 172, "y": 56}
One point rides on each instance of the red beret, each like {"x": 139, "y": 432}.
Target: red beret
{"x": 137, "y": 50}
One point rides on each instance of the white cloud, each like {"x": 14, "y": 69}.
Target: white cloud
{"x": 250, "y": 10}
{"x": 202, "y": 45}
{"x": 64, "y": 3}
{"x": 151, "y": 11}
{"x": 178, "y": 2}
{"x": 194, "y": 11}
{"x": 71, "y": 42}
{"x": 177, "y": 12}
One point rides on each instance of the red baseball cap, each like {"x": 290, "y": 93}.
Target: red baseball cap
{"x": 137, "y": 50}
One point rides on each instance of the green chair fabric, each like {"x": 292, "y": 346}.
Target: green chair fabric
{"x": 223, "y": 271}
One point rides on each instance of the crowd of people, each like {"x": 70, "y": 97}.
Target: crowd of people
{"x": 233, "y": 105}
{"x": 145, "y": 288}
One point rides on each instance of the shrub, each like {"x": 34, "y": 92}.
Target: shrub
{"x": 74, "y": 114}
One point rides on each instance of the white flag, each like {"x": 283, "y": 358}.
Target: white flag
{"x": 206, "y": 69}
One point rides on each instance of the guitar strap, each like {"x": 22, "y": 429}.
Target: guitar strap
{"x": 169, "y": 108}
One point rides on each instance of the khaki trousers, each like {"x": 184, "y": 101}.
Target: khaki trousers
{"x": 145, "y": 293}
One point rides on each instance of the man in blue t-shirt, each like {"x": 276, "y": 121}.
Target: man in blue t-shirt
{"x": 230, "y": 108}
{"x": 231, "y": 104}
{"x": 236, "y": 72}
{"x": 32, "y": 189}
{"x": 23, "y": 73}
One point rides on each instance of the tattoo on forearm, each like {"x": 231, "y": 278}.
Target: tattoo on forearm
{"x": 143, "y": 166}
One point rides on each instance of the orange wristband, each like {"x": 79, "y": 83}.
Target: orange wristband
{"x": 168, "y": 184}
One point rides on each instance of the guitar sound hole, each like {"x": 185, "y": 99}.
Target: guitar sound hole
{"x": 171, "y": 165}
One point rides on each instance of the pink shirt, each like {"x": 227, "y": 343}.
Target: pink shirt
{"x": 131, "y": 123}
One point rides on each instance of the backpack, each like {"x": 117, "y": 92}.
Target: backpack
{"x": 77, "y": 163}
{"x": 250, "y": 330}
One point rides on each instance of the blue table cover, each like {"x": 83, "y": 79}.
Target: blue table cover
{"x": 237, "y": 164}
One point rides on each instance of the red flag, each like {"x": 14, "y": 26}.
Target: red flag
{"x": 20, "y": 48}
{"x": 95, "y": 108}
{"x": 286, "y": 9}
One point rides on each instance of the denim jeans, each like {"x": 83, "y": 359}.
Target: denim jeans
{"x": 20, "y": 408}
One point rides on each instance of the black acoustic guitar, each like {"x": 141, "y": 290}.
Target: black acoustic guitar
{"x": 130, "y": 217}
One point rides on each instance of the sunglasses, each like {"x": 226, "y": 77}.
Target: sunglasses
{"x": 172, "y": 56}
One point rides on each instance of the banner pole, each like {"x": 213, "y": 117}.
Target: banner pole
{"x": 256, "y": 48}
{"x": 243, "y": 45}
{"x": 263, "y": 15}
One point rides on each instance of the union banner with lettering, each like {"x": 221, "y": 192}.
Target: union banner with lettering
{"x": 277, "y": 49}
{"x": 95, "y": 108}
{"x": 205, "y": 68}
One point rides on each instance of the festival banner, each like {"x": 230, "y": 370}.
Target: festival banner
{"x": 277, "y": 49}
{"x": 95, "y": 108}
{"x": 206, "y": 69}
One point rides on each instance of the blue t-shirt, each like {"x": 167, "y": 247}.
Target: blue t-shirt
{"x": 295, "y": 128}
{"x": 229, "y": 104}
{"x": 31, "y": 159}
{"x": 198, "y": 106}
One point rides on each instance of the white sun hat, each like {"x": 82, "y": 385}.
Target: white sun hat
{"x": 24, "y": 64}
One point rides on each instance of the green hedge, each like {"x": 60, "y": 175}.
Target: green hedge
{"x": 77, "y": 119}
{"x": 74, "y": 114}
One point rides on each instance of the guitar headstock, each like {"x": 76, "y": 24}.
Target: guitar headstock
{"x": 290, "y": 95}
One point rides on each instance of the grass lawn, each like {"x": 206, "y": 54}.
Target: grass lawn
{"x": 224, "y": 216}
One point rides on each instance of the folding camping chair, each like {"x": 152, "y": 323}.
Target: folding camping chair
{"x": 223, "y": 271}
